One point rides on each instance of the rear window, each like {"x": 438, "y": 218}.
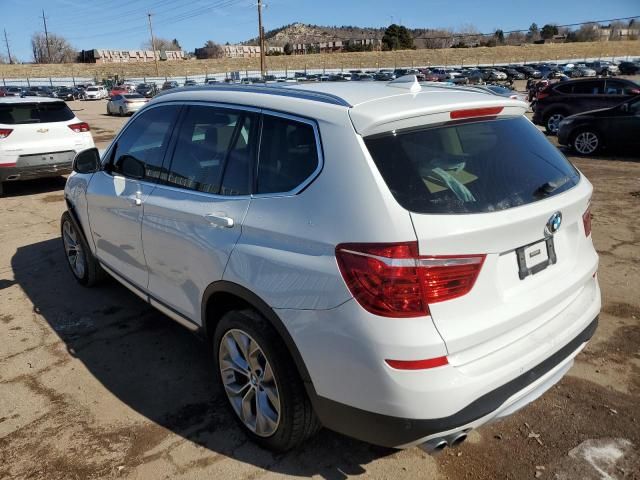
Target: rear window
{"x": 471, "y": 167}
{"x": 20, "y": 113}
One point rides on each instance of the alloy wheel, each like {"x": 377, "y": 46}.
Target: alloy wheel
{"x": 553, "y": 122}
{"x": 586, "y": 143}
{"x": 249, "y": 382}
{"x": 73, "y": 249}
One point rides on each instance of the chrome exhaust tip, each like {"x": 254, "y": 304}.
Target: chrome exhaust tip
{"x": 456, "y": 439}
{"x": 434, "y": 446}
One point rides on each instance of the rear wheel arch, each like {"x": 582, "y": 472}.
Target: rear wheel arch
{"x": 223, "y": 296}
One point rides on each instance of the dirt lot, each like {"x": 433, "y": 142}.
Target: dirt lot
{"x": 96, "y": 384}
{"x": 400, "y": 58}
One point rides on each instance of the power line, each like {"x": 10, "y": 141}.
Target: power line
{"x": 454, "y": 35}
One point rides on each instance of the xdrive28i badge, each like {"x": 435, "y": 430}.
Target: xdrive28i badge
{"x": 553, "y": 224}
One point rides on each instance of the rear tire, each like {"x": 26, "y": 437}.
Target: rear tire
{"x": 552, "y": 122}
{"x": 121, "y": 112}
{"x": 83, "y": 265}
{"x": 268, "y": 400}
{"x": 586, "y": 142}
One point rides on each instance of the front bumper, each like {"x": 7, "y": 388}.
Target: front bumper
{"x": 400, "y": 432}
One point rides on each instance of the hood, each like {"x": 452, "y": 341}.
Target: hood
{"x": 600, "y": 112}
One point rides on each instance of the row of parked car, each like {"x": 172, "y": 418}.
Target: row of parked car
{"x": 590, "y": 114}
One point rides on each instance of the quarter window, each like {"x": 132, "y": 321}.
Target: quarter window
{"x": 288, "y": 155}
{"x": 146, "y": 140}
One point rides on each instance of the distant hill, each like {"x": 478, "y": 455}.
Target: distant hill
{"x": 302, "y": 33}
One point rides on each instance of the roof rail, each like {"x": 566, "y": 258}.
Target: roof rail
{"x": 285, "y": 91}
{"x": 408, "y": 82}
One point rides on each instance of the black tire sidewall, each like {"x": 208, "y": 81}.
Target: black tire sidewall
{"x": 66, "y": 218}
{"x": 283, "y": 371}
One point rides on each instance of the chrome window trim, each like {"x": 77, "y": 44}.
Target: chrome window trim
{"x": 231, "y": 106}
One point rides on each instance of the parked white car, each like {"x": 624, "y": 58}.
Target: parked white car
{"x": 39, "y": 137}
{"x": 126, "y": 104}
{"x": 399, "y": 263}
{"x": 95, "y": 92}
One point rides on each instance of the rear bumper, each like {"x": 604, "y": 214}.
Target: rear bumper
{"x": 400, "y": 432}
{"x": 35, "y": 171}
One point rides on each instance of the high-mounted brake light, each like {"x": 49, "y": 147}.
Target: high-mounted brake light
{"x": 586, "y": 221}
{"x": 418, "y": 364}
{"x": 476, "y": 112}
{"x": 79, "y": 127}
{"x": 5, "y": 132}
{"x": 392, "y": 280}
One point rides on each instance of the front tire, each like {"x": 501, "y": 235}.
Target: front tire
{"x": 261, "y": 383}
{"x": 586, "y": 142}
{"x": 83, "y": 265}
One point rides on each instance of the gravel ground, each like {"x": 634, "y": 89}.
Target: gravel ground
{"x": 96, "y": 384}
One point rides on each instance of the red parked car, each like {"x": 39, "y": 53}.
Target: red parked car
{"x": 118, "y": 90}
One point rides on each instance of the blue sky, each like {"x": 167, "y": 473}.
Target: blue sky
{"x": 122, "y": 24}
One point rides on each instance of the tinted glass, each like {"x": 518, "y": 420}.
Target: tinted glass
{"x": 206, "y": 135}
{"x": 588, "y": 88}
{"x": 237, "y": 179}
{"x": 472, "y": 167}
{"x": 615, "y": 87}
{"x": 288, "y": 155}
{"x": 146, "y": 139}
{"x": 132, "y": 95}
{"x": 15, "y": 114}
{"x": 564, "y": 88}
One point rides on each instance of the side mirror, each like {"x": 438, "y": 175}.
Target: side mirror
{"x": 131, "y": 167}
{"x": 87, "y": 161}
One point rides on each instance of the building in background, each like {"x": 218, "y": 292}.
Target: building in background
{"x": 128, "y": 56}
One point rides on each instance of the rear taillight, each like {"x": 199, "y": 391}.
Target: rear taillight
{"x": 5, "y": 132}
{"x": 79, "y": 127}
{"x": 545, "y": 92}
{"x": 586, "y": 221}
{"x": 392, "y": 280}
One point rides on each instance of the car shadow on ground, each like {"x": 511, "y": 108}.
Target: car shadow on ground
{"x": 31, "y": 187}
{"x": 160, "y": 369}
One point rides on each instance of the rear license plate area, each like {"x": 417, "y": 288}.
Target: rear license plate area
{"x": 535, "y": 257}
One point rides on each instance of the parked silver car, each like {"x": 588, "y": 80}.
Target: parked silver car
{"x": 126, "y": 104}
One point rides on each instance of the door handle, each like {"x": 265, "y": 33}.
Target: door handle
{"x": 219, "y": 220}
{"x": 136, "y": 199}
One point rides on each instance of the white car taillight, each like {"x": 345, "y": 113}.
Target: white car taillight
{"x": 5, "y": 132}
{"x": 79, "y": 127}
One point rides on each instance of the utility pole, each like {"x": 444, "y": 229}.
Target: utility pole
{"x": 153, "y": 45}
{"x": 46, "y": 37}
{"x": 6, "y": 42}
{"x": 261, "y": 36}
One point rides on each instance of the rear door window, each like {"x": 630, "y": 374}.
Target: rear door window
{"x": 616, "y": 87}
{"x": 588, "y": 88}
{"x": 472, "y": 167}
{"x": 212, "y": 144}
{"x": 21, "y": 113}
{"x": 288, "y": 155}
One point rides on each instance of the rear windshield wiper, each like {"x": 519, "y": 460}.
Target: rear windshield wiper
{"x": 548, "y": 188}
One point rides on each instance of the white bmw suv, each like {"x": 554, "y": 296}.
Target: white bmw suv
{"x": 398, "y": 262}
{"x": 39, "y": 137}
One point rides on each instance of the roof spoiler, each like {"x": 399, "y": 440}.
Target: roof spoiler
{"x": 408, "y": 82}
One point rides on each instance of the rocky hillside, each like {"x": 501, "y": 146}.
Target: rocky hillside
{"x": 301, "y": 33}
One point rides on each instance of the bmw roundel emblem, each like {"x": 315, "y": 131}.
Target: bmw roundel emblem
{"x": 553, "y": 224}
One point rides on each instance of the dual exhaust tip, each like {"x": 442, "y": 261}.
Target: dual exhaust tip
{"x": 436, "y": 445}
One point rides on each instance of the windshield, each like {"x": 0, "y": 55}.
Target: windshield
{"x": 21, "y": 113}
{"x": 471, "y": 167}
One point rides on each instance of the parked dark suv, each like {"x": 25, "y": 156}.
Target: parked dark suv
{"x": 562, "y": 99}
